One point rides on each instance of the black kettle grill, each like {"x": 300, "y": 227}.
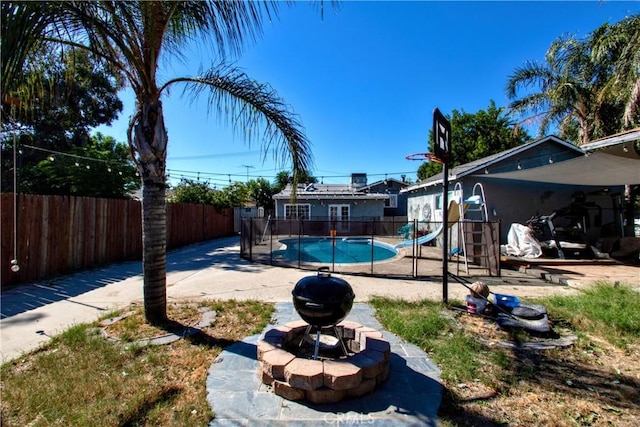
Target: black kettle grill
{"x": 322, "y": 301}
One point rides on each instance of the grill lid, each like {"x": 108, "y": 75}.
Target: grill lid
{"x": 322, "y": 300}
{"x": 323, "y": 288}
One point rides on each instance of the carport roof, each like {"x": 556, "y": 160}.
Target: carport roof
{"x": 594, "y": 169}
{"x": 614, "y": 160}
{"x": 478, "y": 166}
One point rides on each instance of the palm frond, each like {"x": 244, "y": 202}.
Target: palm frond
{"x": 254, "y": 109}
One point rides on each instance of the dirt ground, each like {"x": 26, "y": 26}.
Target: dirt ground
{"x": 598, "y": 385}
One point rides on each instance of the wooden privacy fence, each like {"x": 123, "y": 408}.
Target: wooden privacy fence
{"x": 56, "y": 235}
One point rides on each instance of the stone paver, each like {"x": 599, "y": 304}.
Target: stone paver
{"x": 410, "y": 396}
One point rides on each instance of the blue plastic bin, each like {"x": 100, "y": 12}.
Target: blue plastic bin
{"x": 506, "y": 300}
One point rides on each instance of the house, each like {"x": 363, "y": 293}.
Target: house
{"x": 341, "y": 202}
{"x": 510, "y": 193}
{"x": 396, "y": 205}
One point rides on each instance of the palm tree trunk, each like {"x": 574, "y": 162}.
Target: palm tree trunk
{"x": 150, "y": 143}
{"x": 632, "y": 106}
{"x": 154, "y": 242}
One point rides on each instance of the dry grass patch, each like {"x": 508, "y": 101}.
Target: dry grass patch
{"x": 592, "y": 383}
{"x": 81, "y": 377}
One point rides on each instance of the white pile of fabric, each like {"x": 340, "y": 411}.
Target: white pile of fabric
{"x": 521, "y": 242}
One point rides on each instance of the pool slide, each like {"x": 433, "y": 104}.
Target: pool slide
{"x": 422, "y": 239}
{"x": 452, "y": 218}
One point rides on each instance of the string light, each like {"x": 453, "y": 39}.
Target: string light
{"x": 230, "y": 178}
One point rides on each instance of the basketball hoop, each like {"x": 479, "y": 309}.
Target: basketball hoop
{"x": 425, "y": 157}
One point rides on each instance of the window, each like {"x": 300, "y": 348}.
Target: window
{"x": 392, "y": 202}
{"x": 438, "y": 202}
{"x": 297, "y": 211}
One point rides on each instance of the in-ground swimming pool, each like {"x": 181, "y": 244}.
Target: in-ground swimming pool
{"x": 345, "y": 250}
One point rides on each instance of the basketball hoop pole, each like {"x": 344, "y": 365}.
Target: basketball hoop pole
{"x": 442, "y": 150}
{"x": 445, "y": 239}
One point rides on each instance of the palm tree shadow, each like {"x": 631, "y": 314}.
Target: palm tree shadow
{"x": 139, "y": 415}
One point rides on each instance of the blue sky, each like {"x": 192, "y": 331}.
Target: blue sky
{"x": 365, "y": 78}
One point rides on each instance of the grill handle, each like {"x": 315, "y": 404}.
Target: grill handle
{"x": 314, "y": 305}
{"x": 324, "y": 272}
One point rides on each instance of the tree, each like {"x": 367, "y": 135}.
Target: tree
{"x": 190, "y": 191}
{"x": 101, "y": 168}
{"x": 589, "y": 88}
{"x": 619, "y": 44}
{"x": 75, "y": 95}
{"x": 133, "y": 37}
{"x": 475, "y": 136}
{"x": 283, "y": 178}
{"x": 261, "y": 192}
{"x": 232, "y": 196}
{"x": 565, "y": 92}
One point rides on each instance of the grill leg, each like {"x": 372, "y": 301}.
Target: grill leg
{"x": 317, "y": 346}
{"x": 344, "y": 347}
{"x": 306, "y": 333}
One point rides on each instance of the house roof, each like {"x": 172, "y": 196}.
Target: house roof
{"x": 476, "y": 166}
{"x": 329, "y": 191}
{"x": 382, "y": 182}
{"x": 624, "y": 144}
{"x": 614, "y": 160}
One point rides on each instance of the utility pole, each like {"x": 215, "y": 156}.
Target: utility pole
{"x": 248, "y": 167}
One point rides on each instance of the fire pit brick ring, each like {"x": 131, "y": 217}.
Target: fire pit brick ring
{"x": 351, "y": 363}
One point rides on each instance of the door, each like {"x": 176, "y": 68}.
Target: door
{"x": 340, "y": 215}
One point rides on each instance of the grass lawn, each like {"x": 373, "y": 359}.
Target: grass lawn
{"x": 103, "y": 371}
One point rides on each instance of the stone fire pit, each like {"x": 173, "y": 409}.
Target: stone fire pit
{"x": 293, "y": 375}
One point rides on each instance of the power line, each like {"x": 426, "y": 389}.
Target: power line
{"x": 211, "y": 156}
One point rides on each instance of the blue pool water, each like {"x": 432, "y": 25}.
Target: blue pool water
{"x": 345, "y": 250}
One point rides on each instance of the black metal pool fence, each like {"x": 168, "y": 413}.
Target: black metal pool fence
{"x": 474, "y": 246}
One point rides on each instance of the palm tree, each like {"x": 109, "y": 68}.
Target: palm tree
{"x": 619, "y": 44}
{"x": 564, "y": 91}
{"x": 133, "y": 36}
